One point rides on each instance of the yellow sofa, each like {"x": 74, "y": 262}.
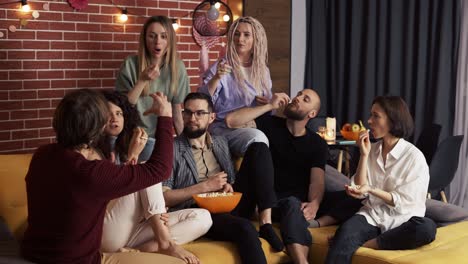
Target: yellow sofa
{"x": 449, "y": 246}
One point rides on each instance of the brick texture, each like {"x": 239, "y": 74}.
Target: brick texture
{"x": 65, "y": 49}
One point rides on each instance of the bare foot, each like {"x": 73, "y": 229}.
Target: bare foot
{"x": 179, "y": 252}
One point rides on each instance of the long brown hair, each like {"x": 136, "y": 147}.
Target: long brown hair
{"x": 170, "y": 57}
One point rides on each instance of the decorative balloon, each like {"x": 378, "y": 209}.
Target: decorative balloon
{"x": 212, "y": 18}
{"x": 78, "y": 4}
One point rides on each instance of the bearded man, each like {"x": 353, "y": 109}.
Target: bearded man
{"x": 299, "y": 157}
{"x": 202, "y": 163}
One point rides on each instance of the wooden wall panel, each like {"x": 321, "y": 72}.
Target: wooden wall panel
{"x": 275, "y": 16}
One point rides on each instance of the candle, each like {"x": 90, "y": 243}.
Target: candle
{"x": 331, "y": 128}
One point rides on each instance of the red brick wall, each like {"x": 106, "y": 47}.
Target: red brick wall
{"x": 63, "y": 50}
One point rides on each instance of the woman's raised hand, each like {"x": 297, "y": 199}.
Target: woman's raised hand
{"x": 150, "y": 73}
{"x": 136, "y": 146}
{"x": 364, "y": 143}
{"x": 357, "y": 191}
{"x": 223, "y": 68}
{"x": 160, "y": 107}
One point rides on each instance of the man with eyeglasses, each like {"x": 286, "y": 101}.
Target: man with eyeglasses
{"x": 202, "y": 163}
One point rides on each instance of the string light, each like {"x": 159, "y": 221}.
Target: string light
{"x": 212, "y": 13}
{"x": 175, "y": 24}
{"x": 124, "y": 16}
{"x": 24, "y": 6}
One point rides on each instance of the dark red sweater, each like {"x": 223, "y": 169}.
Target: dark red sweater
{"x": 67, "y": 198}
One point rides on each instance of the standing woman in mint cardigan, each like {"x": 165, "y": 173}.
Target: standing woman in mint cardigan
{"x": 68, "y": 189}
{"x": 156, "y": 68}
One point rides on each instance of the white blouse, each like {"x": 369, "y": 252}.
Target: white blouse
{"x": 405, "y": 176}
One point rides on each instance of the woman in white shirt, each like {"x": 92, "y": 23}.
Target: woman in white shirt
{"x": 393, "y": 175}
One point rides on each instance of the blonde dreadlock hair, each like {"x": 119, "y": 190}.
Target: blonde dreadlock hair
{"x": 259, "y": 57}
{"x": 170, "y": 57}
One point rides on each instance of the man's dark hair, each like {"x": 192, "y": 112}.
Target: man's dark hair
{"x": 200, "y": 96}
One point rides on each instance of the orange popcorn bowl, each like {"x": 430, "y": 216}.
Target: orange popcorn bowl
{"x": 218, "y": 202}
{"x": 350, "y": 135}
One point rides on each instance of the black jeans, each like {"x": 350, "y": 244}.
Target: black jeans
{"x": 416, "y": 232}
{"x": 240, "y": 231}
{"x": 255, "y": 182}
{"x": 293, "y": 225}
{"x": 339, "y": 205}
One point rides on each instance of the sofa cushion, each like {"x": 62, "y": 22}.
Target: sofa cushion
{"x": 448, "y": 247}
{"x": 444, "y": 213}
{"x": 210, "y": 251}
{"x": 13, "y": 200}
{"x": 5, "y": 234}
{"x": 334, "y": 180}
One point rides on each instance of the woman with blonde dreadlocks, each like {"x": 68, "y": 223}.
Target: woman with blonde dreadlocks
{"x": 241, "y": 79}
{"x": 156, "y": 68}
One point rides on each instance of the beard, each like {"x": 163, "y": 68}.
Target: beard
{"x": 290, "y": 113}
{"x": 194, "y": 133}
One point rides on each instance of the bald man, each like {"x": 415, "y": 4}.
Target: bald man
{"x": 299, "y": 157}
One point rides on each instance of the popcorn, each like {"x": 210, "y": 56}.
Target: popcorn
{"x": 215, "y": 194}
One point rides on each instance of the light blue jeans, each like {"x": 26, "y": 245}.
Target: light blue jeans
{"x": 239, "y": 139}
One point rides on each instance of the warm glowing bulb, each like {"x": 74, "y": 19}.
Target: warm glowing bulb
{"x": 25, "y": 8}
{"x": 175, "y": 25}
{"x": 226, "y": 18}
{"x": 217, "y": 5}
{"x": 123, "y": 17}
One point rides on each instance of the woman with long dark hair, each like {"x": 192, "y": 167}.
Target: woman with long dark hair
{"x": 136, "y": 220}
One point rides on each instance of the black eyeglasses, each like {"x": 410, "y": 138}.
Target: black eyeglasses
{"x": 198, "y": 114}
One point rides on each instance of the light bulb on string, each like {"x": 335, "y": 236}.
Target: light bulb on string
{"x": 226, "y": 18}
{"x": 175, "y": 24}
{"x": 24, "y": 6}
{"x": 217, "y": 5}
{"x": 124, "y": 17}
{"x": 212, "y": 13}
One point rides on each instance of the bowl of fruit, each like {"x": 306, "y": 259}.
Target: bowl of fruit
{"x": 351, "y": 131}
{"x": 218, "y": 202}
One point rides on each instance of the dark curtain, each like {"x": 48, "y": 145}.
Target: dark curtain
{"x": 360, "y": 49}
